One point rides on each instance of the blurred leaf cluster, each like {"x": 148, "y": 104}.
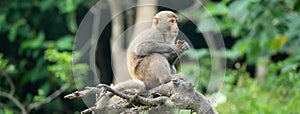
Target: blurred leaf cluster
{"x": 201, "y": 69}
{"x": 263, "y": 28}
{"x": 36, "y": 42}
{"x": 37, "y": 38}
{"x": 279, "y": 94}
{"x": 242, "y": 93}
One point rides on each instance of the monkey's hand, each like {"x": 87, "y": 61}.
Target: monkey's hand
{"x": 182, "y": 46}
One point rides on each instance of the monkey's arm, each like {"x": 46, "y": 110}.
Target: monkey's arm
{"x": 181, "y": 46}
{"x": 148, "y": 47}
{"x": 170, "y": 51}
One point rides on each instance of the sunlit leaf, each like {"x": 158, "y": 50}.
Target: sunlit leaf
{"x": 8, "y": 111}
{"x": 242, "y": 46}
{"x": 65, "y": 42}
{"x": 216, "y": 8}
{"x": 288, "y": 67}
{"x": 238, "y": 10}
{"x": 66, "y": 6}
{"x": 279, "y": 41}
{"x": 34, "y": 43}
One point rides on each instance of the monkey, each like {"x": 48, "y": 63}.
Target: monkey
{"x": 151, "y": 55}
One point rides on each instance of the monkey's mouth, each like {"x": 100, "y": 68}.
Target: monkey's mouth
{"x": 175, "y": 32}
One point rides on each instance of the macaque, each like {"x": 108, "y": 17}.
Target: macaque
{"x": 152, "y": 54}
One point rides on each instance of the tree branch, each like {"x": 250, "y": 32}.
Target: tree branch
{"x": 49, "y": 98}
{"x": 86, "y": 92}
{"x": 14, "y": 100}
{"x": 10, "y": 95}
{"x": 31, "y": 106}
{"x": 175, "y": 94}
{"x": 11, "y": 84}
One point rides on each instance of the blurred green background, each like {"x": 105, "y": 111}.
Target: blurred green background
{"x": 262, "y": 42}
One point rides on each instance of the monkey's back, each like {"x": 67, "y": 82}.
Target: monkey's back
{"x": 132, "y": 59}
{"x": 142, "y": 70}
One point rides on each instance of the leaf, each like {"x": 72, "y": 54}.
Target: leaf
{"x": 288, "y": 67}
{"x": 236, "y": 30}
{"x": 293, "y": 25}
{"x": 3, "y": 62}
{"x": 41, "y": 95}
{"x": 238, "y": 10}
{"x": 65, "y": 42}
{"x": 216, "y": 8}
{"x": 2, "y": 20}
{"x": 279, "y": 42}
{"x": 67, "y": 6}
{"x": 243, "y": 45}
{"x": 13, "y": 31}
{"x": 34, "y": 43}
{"x": 46, "y": 4}
{"x": 71, "y": 22}
{"x": 254, "y": 52}
{"x": 8, "y": 111}
{"x": 232, "y": 54}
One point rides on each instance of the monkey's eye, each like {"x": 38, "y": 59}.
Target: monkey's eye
{"x": 172, "y": 21}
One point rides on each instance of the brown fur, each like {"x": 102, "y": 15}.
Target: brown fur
{"x": 151, "y": 53}
{"x": 150, "y": 57}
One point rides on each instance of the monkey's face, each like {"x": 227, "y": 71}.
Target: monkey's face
{"x": 166, "y": 21}
{"x": 168, "y": 25}
{"x": 172, "y": 22}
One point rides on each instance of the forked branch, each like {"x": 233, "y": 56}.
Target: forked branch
{"x": 175, "y": 94}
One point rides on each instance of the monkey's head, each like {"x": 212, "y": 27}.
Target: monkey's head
{"x": 166, "y": 21}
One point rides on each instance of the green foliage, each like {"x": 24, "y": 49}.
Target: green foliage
{"x": 5, "y": 66}
{"x": 36, "y": 42}
{"x": 198, "y": 72}
{"x": 62, "y": 67}
{"x": 265, "y": 26}
{"x": 242, "y": 93}
{"x": 246, "y": 95}
{"x": 37, "y": 38}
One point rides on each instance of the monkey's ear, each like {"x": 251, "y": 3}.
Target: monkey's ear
{"x": 155, "y": 20}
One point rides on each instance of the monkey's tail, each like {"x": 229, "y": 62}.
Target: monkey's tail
{"x": 130, "y": 84}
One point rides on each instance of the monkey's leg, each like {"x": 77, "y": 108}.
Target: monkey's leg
{"x": 160, "y": 68}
